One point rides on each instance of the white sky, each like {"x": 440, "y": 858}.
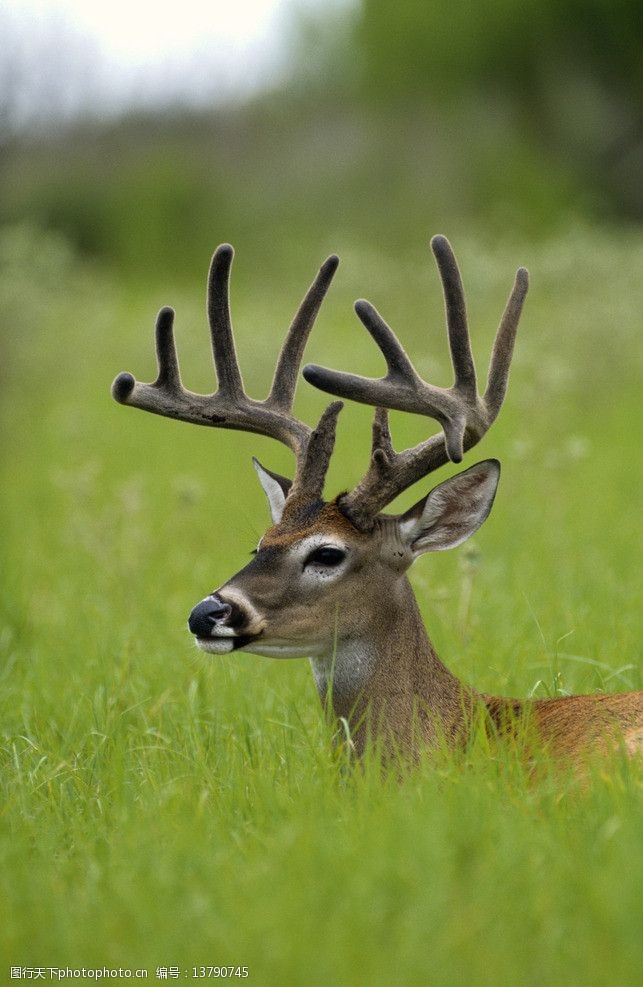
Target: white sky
{"x": 136, "y": 31}
{"x": 111, "y": 53}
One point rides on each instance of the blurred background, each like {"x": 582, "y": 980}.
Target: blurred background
{"x": 143, "y": 133}
{"x": 135, "y": 137}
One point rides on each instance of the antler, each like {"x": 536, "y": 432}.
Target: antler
{"x": 230, "y": 406}
{"x": 463, "y": 414}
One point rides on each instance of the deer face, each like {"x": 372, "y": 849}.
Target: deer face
{"x": 291, "y": 598}
{"x": 317, "y": 580}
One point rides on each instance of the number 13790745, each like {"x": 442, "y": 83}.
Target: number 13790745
{"x": 216, "y": 972}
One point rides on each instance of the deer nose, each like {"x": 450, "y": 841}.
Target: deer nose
{"x": 207, "y": 614}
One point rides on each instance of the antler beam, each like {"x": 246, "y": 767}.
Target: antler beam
{"x": 230, "y": 406}
{"x": 463, "y": 414}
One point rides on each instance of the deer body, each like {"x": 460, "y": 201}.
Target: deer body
{"x": 329, "y": 580}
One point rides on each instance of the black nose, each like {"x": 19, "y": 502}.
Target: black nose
{"x": 207, "y": 614}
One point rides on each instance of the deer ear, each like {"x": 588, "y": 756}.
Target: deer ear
{"x": 275, "y": 487}
{"x": 453, "y": 511}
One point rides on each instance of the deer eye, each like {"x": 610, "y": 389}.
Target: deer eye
{"x": 325, "y": 556}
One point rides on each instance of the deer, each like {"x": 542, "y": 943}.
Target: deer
{"x": 328, "y": 580}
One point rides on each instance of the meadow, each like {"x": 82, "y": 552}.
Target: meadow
{"x": 165, "y": 808}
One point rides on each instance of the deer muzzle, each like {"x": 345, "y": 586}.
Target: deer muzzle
{"x": 210, "y": 616}
{"x": 222, "y": 625}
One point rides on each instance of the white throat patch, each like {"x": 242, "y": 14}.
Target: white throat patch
{"x": 349, "y": 669}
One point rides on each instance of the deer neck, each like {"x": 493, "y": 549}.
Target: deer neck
{"x": 389, "y": 682}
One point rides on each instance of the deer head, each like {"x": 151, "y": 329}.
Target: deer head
{"x": 330, "y": 572}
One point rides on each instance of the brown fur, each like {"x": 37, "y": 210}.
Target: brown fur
{"x": 571, "y": 724}
{"x": 304, "y": 520}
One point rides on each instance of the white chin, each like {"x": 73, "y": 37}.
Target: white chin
{"x": 265, "y": 648}
{"x": 281, "y": 649}
{"x": 215, "y": 646}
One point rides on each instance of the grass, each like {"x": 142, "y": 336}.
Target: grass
{"x": 163, "y": 809}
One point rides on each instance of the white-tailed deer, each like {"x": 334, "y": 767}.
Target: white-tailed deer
{"x": 328, "y": 580}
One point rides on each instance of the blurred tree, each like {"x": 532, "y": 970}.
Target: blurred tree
{"x": 571, "y": 70}
{"x": 567, "y": 75}
{"x": 444, "y": 48}
{"x": 391, "y": 119}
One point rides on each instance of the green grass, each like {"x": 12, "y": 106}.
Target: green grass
{"x": 161, "y": 808}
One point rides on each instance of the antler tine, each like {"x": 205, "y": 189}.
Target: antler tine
{"x": 464, "y": 416}
{"x": 169, "y": 375}
{"x": 382, "y": 446}
{"x": 398, "y": 363}
{"x": 366, "y": 389}
{"x": 284, "y": 383}
{"x": 218, "y": 306}
{"x": 456, "y": 313}
{"x": 166, "y": 396}
{"x": 312, "y": 472}
{"x": 503, "y": 345}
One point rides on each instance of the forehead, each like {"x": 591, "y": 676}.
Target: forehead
{"x": 319, "y": 519}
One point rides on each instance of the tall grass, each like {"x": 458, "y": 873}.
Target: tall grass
{"x": 160, "y": 808}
